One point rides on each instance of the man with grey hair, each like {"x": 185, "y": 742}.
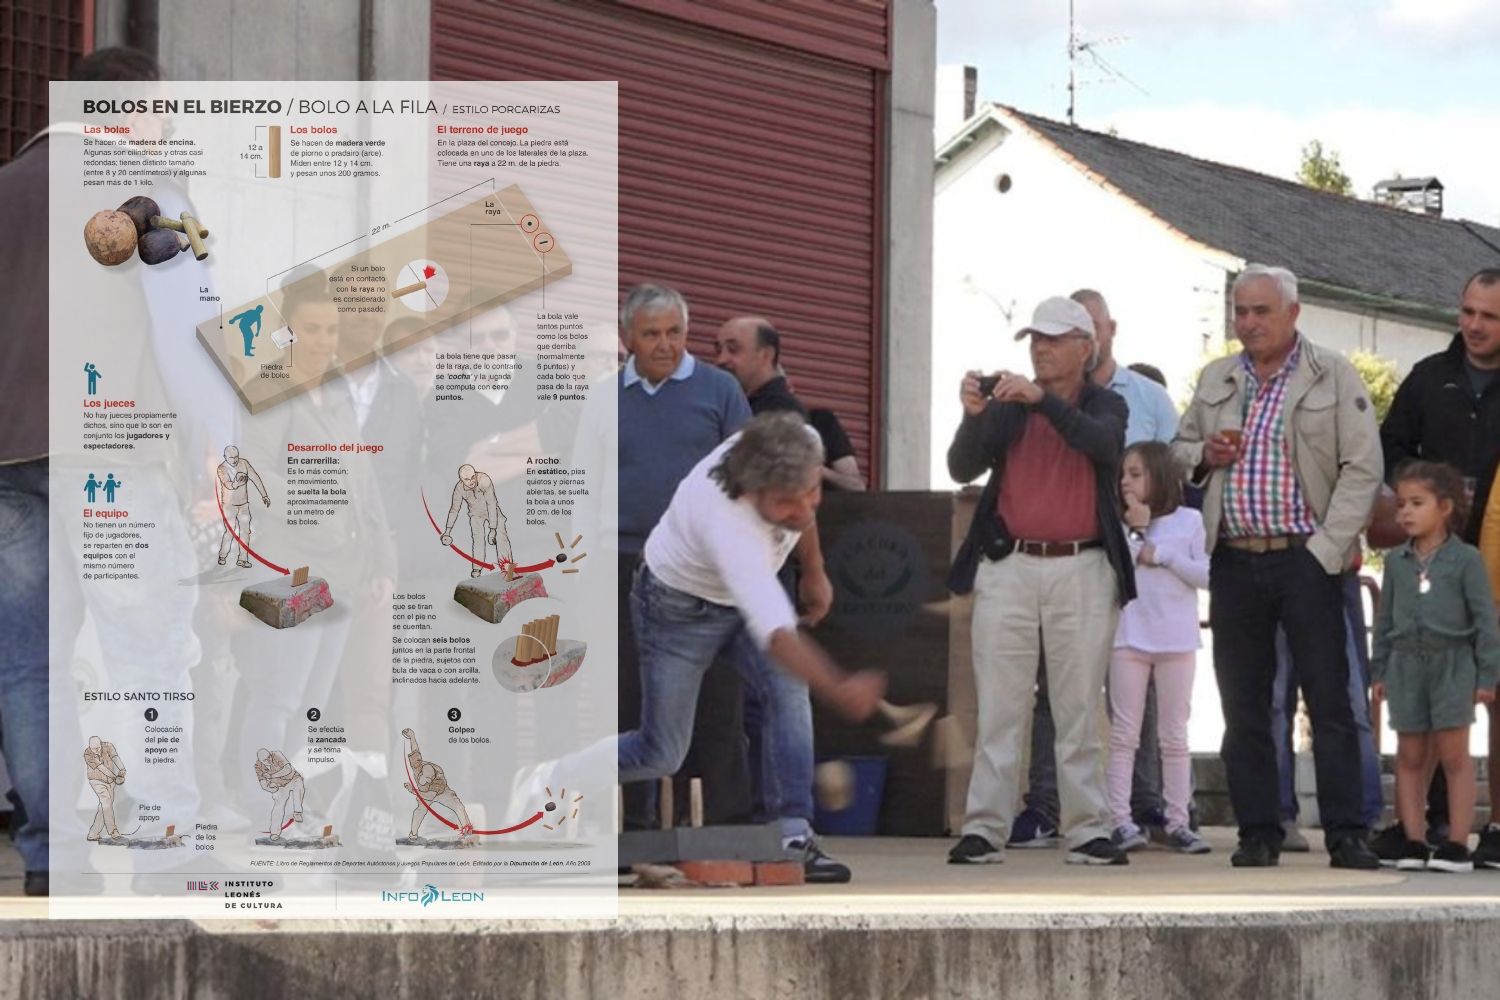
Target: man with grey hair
{"x": 673, "y": 410}
{"x": 1283, "y": 438}
{"x": 1047, "y": 561}
{"x": 707, "y": 587}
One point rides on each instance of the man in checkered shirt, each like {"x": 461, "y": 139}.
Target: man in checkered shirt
{"x": 1284, "y": 439}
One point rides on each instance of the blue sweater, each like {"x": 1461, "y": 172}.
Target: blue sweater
{"x": 663, "y": 436}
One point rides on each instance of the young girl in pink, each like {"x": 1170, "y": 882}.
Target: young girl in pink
{"x": 1157, "y": 638}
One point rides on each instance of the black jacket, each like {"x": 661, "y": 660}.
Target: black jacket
{"x": 1095, "y": 427}
{"x": 1436, "y": 417}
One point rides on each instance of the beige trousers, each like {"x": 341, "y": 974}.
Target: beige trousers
{"x": 1023, "y": 604}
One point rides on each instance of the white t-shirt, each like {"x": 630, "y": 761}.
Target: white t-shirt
{"x": 721, "y": 551}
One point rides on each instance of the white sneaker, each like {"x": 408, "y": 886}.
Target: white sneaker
{"x": 1292, "y": 840}
{"x": 1184, "y": 840}
{"x": 1130, "y": 838}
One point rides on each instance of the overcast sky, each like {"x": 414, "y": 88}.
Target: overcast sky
{"x": 1408, "y": 86}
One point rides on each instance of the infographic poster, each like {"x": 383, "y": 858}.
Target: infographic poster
{"x": 333, "y": 618}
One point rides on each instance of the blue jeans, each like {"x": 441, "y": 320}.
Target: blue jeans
{"x": 678, "y": 636}
{"x": 1284, "y": 709}
{"x": 23, "y": 654}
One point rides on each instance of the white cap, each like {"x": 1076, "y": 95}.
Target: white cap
{"x": 1057, "y": 316}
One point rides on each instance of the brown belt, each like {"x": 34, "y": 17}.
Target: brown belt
{"x": 1271, "y": 543}
{"x": 1050, "y": 550}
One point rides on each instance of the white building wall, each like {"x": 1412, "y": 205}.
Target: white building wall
{"x": 1346, "y": 329}
{"x": 996, "y": 255}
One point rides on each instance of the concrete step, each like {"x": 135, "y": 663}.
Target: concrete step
{"x": 1165, "y": 927}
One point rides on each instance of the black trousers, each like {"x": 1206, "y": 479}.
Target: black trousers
{"x": 1250, "y": 594}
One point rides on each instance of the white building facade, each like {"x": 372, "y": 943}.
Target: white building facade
{"x": 1021, "y": 213}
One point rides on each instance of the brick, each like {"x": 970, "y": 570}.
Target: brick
{"x": 719, "y": 872}
{"x": 780, "y": 873}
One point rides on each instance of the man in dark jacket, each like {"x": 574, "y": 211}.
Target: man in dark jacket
{"x": 1448, "y": 410}
{"x": 1049, "y": 566}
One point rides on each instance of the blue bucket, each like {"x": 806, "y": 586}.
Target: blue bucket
{"x": 861, "y": 817}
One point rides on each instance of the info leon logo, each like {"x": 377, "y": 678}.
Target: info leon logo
{"x": 430, "y": 894}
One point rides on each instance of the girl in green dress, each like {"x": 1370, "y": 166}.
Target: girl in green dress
{"x": 1436, "y": 653}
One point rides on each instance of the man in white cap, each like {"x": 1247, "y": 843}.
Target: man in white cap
{"x": 476, "y": 490}
{"x": 1047, "y": 561}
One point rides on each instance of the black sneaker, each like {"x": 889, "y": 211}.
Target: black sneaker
{"x": 1414, "y": 857}
{"x": 1487, "y": 854}
{"x": 1254, "y": 852}
{"x": 1354, "y": 853}
{"x": 37, "y": 883}
{"x": 1032, "y": 829}
{"x": 1099, "y": 851}
{"x": 817, "y": 867}
{"x": 1389, "y": 845}
{"x": 973, "y": 849}
{"x": 1451, "y": 857}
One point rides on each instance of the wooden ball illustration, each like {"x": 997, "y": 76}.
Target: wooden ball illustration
{"x": 110, "y": 237}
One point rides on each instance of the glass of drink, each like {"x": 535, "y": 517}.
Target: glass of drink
{"x": 1235, "y": 436}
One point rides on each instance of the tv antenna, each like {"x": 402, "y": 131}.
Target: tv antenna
{"x": 1077, "y": 46}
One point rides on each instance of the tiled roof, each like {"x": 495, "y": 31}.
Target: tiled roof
{"x": 1345, "y": 242}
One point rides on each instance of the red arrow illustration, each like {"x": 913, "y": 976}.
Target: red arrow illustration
{"x": 454, "y": 826}
{"x": 270, "y": 565}
{"x": 547, "y": 564}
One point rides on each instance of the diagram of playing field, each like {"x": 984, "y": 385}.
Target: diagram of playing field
{"x": 490, "y": 250}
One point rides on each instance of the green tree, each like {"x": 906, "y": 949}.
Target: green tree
{"x": 1379, "y": 375}
{"x": 1380, "y": 378}
{"x": 1321, "y": 169}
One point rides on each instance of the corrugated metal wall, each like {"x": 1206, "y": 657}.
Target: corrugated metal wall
{"x": 751, "y": 160}
{"x": 39, "y": 42}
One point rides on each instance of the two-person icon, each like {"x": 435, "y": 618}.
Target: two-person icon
{"x": 110, "y": 485}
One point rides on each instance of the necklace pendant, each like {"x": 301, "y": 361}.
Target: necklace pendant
{"x": 1423, "y": 584}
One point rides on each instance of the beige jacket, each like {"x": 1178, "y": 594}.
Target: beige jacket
{"x": 1334, "y": 445}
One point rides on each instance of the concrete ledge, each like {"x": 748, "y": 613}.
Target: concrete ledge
{"x": 1165, "y": 927}
{"x": 1435, "y": 953}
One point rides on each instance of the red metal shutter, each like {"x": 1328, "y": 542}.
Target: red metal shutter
{"x": 39, "y": 42}
{"x": 752, "y": 161}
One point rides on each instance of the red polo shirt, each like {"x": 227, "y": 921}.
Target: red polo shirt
{"x": 1047, "y": 490}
